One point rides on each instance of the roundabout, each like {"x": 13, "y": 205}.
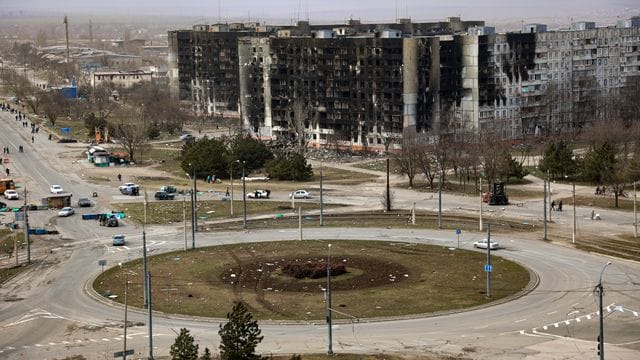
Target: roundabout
{"x": 286, "y": 280}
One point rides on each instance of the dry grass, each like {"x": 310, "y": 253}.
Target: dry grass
{"x": 442, "y": 279}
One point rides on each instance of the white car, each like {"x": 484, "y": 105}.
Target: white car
{"x": 66, "y": 211}
{"x": 300, "y": 194}
{"x": 482, "y": 244}
{"x": 11, "y": 195}
{"x": 127, "y": 185}
{"x": 259, "y": 194}
{"x": 56, "y": 189}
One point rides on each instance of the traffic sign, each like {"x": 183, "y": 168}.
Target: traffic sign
{"x": 102, "y": 262}
{"x": 488, "y": 268}
{"x": 122, "y": 353}
{"x": 458, "y": 231}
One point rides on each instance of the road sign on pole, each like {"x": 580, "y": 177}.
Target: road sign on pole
{"x": 488, "y": 268}
{"x": 102, "y": 263}
{"x": 118, "y": 354}
{"x": 458, "y": 232}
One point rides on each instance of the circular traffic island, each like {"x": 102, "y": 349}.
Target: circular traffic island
{"x": 288, "y": 280}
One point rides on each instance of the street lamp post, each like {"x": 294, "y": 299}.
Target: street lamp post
{"x": 440, "y": 195}
{"x": 244, "y": 198}
{"x": 321, "y": 198}
{"x": 388, "y": 194}
{"x": 193, "y": 217}
{"x": 635, "y": 212}
{"x": 599, "y": 289}
{"x": 573, "y": 234}
{"x": 329, "y": 310}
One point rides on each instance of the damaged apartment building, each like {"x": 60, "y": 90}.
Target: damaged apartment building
{"x": 358, "y": 85}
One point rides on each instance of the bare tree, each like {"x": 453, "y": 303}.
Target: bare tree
{"x": 53, "y": 104}
{"x": 411, "y": 156}
{"x": 132, "y": 132}
{"x": 301, "y": 120}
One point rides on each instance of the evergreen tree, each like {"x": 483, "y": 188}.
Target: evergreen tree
{"x": 184, "y": 348}
{"x": 206, "y": 355}
{"x": 240, "y": 335}
{"x": 289, "y": 167}
{"x": 207, "y": 157}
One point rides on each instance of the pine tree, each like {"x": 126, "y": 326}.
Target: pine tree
{"x": 240, "y": 335}
{"x": 184, "y": 348}
{"x": 206, "y": 355}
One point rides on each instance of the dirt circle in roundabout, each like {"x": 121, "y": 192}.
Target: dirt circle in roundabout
{"x": 381, "y": 279}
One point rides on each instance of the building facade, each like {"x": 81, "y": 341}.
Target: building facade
{"x": 359, "y": 85}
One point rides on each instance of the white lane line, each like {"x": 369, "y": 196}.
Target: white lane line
{"x": 521, "y": 320}
{"x": 105, "y": 339}
{"x": 556, "y": 325}
{"x": 545, "y": 327}
{"x": 551, "y": 313}
{"x": 578, "y": 319}
{"x": 481, "y": 327}
{"x": 589, "y": 317}
{"x": 52, "y": 344}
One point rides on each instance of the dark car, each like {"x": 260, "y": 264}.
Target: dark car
{"x": 112, "y": 222}
{"x": 130, "y": 190}
{"x": 163, "y": 195}
{"x": 84, "y": 202}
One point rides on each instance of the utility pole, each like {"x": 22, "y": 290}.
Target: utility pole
{"x": 481, "y": 203}
{"x": 440, "y": 197}
{"x": 26, "y": 226}
{"x": 488, "y": 269}
{"x": 184, "y": 221}
{"x": 144, "y": 254}
{"x": 195, "y": 204}
{"x": 544, "y": 209}
{"x": 126, "y": 287}
{"x": 193, "y": 224}
{"x": 231, "y": 176}
{"x": 573, "y": 234}
{"x": 635, "y": 212}
{"x": 321, "y": 207}
{"x": 329, "y": 310}
{"x": 150, "y": 317}
{"x": 600, "y": 291}
{"x": 244, "y": 198}
{"x": 548, "y": 182}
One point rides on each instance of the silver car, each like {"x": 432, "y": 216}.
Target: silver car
{"x": 482, "y": 244}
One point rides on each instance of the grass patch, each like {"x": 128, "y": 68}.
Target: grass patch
{"x": 603, "y": 202}
{"x": 398, "y": 279}
{"x": 167, "y": 212}
{"x": 340, "y": 176}
{"x": 8, "y": 273}
{"x": 394, "y": 219}
{"x": 362, "y": 357}
{"x": 7, "y": 244}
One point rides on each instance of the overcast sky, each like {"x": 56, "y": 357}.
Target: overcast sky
{"x": 366, "y": 10}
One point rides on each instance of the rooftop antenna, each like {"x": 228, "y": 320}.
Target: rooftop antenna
{"x": 396, "y": 10}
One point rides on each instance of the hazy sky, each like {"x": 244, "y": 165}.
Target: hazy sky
{"x": 366, "y": 10}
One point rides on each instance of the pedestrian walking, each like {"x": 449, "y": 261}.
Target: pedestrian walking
{"x": 7, "y": 171}
{"x": 553, "y": 205}
{"x": 119, "y": 178}
{"x": 33, "y": 139}
{"x": 560, "y": 205}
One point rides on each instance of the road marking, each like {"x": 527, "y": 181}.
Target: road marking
{"x": 551, "y": 313}
{"x": 521, "y": 320}
{"x": 545, "y": 327}
{"x": 105, "y": 339}
{"x": 556, "y": 325}
{"x": 588, "y": 316}
{"x": 578, "y": 320}
{"x": 567, "y": 322}
{"x": 481, "y": 327}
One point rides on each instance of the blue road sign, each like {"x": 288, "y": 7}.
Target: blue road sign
{"x": 458, "y": 231}
{"x": 488, "y": 268}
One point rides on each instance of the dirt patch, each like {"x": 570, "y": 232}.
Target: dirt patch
{"x": 362, "y": 273}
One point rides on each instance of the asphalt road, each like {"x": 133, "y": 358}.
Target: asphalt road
{"x": 48, "y": 313}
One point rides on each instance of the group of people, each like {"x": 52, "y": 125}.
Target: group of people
{"x": 556, "y": 206}
{"x": 603, "y": 191}
{"x": 210, "y": 179}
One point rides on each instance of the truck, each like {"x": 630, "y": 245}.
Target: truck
{"x": 6, "y": 184}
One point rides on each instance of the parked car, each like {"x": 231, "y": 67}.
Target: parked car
{"x": 482, "y": 244}
{"x": 163, "y": 195}
{"x": 112, "y": 222}
{"x": 127, "y": 185}
{"x": 11, "y": 195}
{"x": 66, "y": 211}
{"x": 118, "y": 240}
{"x": 300, "y": 194}
{"x": 169, "y": 189}
{"x": 186, "y": 137}
{"x": 130, "y": 189}
{"x": 56, "y": 189}
{"x": 259, "y": 194}
{"x": 84, "y": 202}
